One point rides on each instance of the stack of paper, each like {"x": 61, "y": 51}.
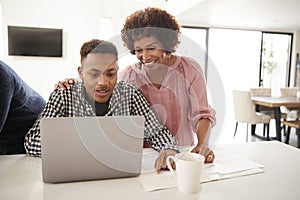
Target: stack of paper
{"x": 226, "y": 165}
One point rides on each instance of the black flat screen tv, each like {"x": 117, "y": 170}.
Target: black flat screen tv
{"x": 32, "y": 41}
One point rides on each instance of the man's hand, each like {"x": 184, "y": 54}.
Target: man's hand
{"x": 160, "y": 162}
{"x": 65, "y": 84}
{"x": 206, "y": 152}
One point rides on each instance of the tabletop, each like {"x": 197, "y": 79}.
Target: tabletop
{"x": 276, "y": 101}
{"x": 21, "y": 178}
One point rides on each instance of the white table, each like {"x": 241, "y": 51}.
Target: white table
{"x": 20, "y": 178}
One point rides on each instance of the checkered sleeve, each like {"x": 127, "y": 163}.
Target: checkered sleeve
{"x": 158, "y": 136}
{"x": 54, "y": 108}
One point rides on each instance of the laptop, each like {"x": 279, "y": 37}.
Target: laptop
{"x": 90, "y": 148}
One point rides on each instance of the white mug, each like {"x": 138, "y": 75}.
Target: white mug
{"x": 188, "y": 172}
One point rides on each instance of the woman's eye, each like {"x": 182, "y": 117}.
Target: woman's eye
{"x": 138, "y": 50}
{"x": 110, "y": 74}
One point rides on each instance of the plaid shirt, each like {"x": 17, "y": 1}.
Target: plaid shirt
{"x": 125, "y": 100}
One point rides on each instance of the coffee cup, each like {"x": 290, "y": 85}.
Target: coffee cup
{"x": 188, "y": 171}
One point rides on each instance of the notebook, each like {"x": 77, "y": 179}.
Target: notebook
{"x": 90, "y": 148}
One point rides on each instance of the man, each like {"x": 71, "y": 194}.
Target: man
{"x": 99, "y": 94}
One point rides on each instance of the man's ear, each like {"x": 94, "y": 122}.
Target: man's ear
{"x": 80, "y": 71}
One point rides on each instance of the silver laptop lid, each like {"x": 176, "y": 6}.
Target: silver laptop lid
{"x": 89, "y": 148}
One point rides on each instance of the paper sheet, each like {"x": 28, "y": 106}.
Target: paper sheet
{"x": 226, "y": 165}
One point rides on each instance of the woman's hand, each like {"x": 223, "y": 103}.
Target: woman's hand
{"x": 161, "y": 163}
{"x": 206, "y": 152}
{"x": 65, "y": 84}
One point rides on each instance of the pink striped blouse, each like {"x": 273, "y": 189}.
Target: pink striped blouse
{"x": 180, "y": 101}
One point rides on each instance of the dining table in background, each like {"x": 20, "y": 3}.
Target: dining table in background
{"x": 276, "y": 103}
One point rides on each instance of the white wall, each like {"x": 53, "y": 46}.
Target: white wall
{"x": 80, "y": 21}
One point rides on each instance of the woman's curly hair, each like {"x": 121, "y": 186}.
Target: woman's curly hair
{"x": 97, "y": 46}
{"x": 151, "y": 22}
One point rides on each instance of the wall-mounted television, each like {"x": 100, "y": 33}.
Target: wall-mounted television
{"x": 33, "y": 41}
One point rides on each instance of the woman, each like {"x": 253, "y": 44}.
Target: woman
{"x": 173, "y": 85}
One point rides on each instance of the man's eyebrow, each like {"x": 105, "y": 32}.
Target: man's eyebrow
{"x": 95, "y": 70}
{"x": 108, "y": 70}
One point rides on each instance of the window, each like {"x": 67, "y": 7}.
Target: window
{"x": 243, "y": 59}
{"x": 275, "y": 61}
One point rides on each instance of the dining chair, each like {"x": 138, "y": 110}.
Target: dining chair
{"x": 289, "y": 91}
{"x": 263, "y": 92}
{"x": 266, "y": 92}
{"x": 293, "y": 112}
{"x": 244, "y": 112}
{"x": 292, "y": 124}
